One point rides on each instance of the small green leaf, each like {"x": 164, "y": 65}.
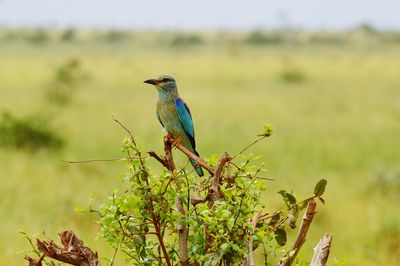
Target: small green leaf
{"x": 267, "y": 131}
{"x": 274, "y": 219}
{"x": 319, "y": 188}
{"x": 280, "y": 236}
{"x": 287, "y": 197}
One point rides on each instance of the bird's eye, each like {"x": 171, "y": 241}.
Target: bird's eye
{"x": 165, "y": 80}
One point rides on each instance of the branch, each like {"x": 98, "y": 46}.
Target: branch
{"x": 158, "y": 158}
{"x": 183, "y": 230}
{"x": 196, "y": 158}
{"x": 33, "y": 262}
{"x": 301, "y": 236}
{"x": 250, "y": 259}
{"x": 321, "y": 251}
{"x": 96, "y": 160}
{"x": 217, "y": 178}
{"x": 251, "y": 144}
{"x": 125, "y": 128}
{"x": 73, "y": 251}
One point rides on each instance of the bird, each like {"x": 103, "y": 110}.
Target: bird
{"x": 174, "y": 115}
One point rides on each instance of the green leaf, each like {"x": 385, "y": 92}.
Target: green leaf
{"x": 267, "y": 131}
{"x": 319, "y": 188}
{"x": 274, "y": 219}
{"x": 287, "y": 197}
{"x": 280, "y": 236}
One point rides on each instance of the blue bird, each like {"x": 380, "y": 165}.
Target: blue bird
{"x": 174, "y": 115}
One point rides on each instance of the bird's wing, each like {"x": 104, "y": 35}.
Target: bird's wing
{"x": 185, "y": 118}
{"x": 159, "y": 119}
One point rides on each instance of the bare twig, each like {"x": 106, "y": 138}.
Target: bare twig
{"x": 158, "y": 158}
{"x": 301, "y": 235}
{"x": 96, "y": 160}
{"x": 321, "y": 251}
{"x": 125, "y": 128}
{"x": 33, "y": 262}
{"x": 250, "y": 145}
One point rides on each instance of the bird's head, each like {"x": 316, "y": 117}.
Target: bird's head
{"x": 163, "y": 83}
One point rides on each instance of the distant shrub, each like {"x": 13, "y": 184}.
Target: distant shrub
{"x": 30, "y": 133}
{"x": 38, "y": 37}
{"x": 115, "y": 36}
{"x": 67, "y": 79}
{"x": 328, "y": 38}
{"x": 259, "y": 38}
{"x": 367, "y": 28}
{"x": 68, "y": 35}
{"x": 292, "y": 75}
{"x": 186, "y": 40}
{"x": 386, "y": 182}
{"x": 390, "y": 37}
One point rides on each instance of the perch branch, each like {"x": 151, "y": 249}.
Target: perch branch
{"x": 183, "y": 230}
{"x": 193, "y": 156}
{"x": 301, "y": 235}
{"x": 321, "y": 251}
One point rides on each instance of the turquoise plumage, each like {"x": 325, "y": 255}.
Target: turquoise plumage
{"x": 174, "y": 115}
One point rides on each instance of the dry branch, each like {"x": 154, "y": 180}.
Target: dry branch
{"x": 73, "y": 251}
{"x": 321, "y": 251}
{"x": 250, "y": 258}
{"x": 301, "y": 236}
{"x": 183, "y": 230}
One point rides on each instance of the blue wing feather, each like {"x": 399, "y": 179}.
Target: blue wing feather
{"x": 185, "y": 118}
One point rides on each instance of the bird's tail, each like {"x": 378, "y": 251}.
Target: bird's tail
{"x": 198, "y": 169}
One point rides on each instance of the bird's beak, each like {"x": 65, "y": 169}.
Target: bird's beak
{"x": 151, "y": 81}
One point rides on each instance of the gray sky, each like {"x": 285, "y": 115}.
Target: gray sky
{"x": 200, "y": 14}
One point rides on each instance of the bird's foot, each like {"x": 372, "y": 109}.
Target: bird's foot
{"x": 176, "y": 141}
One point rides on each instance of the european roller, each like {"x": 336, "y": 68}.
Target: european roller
{"x": 174, "y": 115}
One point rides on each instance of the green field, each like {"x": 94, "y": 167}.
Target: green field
{"x": 340, "y": 121}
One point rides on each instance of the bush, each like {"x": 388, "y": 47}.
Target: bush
{"x": 67, "y": 79}
{"x": 186, "y": 40}
{"x": 175, "y": 217}
{"x": 260, "y": 38}
{"x": 39, "y": 37}
{"x": 68, "y": 35}
{"x": 29, "y": 133}
{"x": 115, "y": 36}
{"x": 292, "y": 75}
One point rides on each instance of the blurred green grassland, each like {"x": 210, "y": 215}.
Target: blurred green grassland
{"x": 333, "y": 99}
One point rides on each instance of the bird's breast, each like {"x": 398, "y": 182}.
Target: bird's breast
{"x": 169, "y": 118}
